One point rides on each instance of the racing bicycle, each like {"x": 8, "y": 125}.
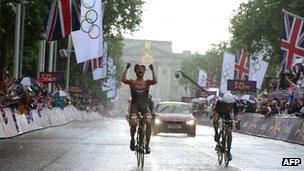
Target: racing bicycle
{"x": 140, "y": 141}
{"x": 222, "y": 145}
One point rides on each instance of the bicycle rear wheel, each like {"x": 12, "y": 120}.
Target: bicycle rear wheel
{"x": 138, "y": 158}
{"x": 219, "y": 149}
{"x": 225, "y": 147}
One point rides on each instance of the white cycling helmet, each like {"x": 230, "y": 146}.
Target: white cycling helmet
{"x": 228, "y": 98}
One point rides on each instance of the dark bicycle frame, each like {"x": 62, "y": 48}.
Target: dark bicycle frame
{"x": 222, "y": 146}
{"x": 140, "y": 141}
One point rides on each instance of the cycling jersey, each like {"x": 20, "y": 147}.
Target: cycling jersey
{"x": 224, "y": 112}
{"x": 139, "y": 101}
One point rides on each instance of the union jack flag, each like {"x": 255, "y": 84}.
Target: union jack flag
{"x": 292, "y": 44}
{"x": 242, "y": 67}
{"x": 63, "y": 17}
{"x": 98, "y": 68}
{"x": 96, "y": 63}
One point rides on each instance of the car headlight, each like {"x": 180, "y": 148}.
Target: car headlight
{"x": 190, "y": 122}
{"x": 157, "y": 121}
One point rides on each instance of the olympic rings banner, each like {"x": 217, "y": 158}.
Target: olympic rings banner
{"x": 88, "y": 41}
{"x": 227, "y": 70}
{"x": 258, "y": 70}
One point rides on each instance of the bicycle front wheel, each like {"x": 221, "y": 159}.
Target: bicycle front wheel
{"x": 219, "y": 156}
{"x": 142, "y": 156}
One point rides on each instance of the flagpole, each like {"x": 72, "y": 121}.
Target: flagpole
{"x": 21, "y": 46}
{"x": 17, "y": 41}
{"x": 292, "y": 14}
{"x": 41, "y": 57}
{"x": 51, "y": 57}
{"x": 69, "y": 50}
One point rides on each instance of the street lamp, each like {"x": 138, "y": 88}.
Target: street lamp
{"x": 180, "y": 73}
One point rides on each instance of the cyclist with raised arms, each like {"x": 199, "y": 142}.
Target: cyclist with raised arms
{"x": 139, "y": 103}
{"x": 225, "y": 108}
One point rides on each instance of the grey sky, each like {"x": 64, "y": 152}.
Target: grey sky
{"x": 190, "y": 25}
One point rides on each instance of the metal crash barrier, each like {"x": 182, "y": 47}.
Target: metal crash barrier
{"x": 12, "y": 123}
{"x": 281, "y": 127}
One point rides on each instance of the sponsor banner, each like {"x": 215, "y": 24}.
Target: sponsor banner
{"x": 264, "y": 126}
{"x": 275, "y": 127}
{"x": 246, "y": 125}
{"x": 241, "y": 85}
{"x": 50, "y": 77}
{"x": 254, "y": 125}
{"x": 290, "y": 129}
{"x": 76, "y": 89}
{"x": 204, "y": 94}
{"x": 297, "y": 132}
{"x": 287, "y": 125}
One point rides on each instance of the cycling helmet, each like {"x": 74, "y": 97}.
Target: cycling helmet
{"x": 228, "y": 98}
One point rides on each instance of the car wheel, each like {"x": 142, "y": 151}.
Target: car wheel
{"x": 191, "y": 134}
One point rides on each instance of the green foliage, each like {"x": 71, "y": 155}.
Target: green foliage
{"x": 35, "y": 11}
{"x": 115, "y": 51}
{"x": 211, "y": 62}
{"x": 120, "y": 16}
{"x": 256, "y": 25}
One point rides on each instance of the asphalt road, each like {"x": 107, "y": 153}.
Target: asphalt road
{"x": 104, "y": 145}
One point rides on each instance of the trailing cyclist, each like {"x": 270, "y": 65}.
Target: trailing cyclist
{"x": 139, "y": 103}
{"x": 225, "y": 108}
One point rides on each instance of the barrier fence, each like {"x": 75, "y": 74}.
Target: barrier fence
{"x": 12, "y": 123}
{"x": 286, "y": 128}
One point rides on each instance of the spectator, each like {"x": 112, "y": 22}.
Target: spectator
{"x": 58, "y": 98}
{"x": 274, "y": 109}
{"x": 264, "y": 108}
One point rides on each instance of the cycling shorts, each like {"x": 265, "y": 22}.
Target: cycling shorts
{"x": 143, "y": 109}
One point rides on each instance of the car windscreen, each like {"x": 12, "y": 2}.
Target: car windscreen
{"x": 169, "y": 108}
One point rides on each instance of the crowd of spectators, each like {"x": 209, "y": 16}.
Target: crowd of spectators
{"x": 24, "y": 98}
{"x": 288, "y": 101}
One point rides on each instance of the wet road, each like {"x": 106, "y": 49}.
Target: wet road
{"x": 104, "y": 145}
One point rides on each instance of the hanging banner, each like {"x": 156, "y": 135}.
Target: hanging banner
{"x": 227, "y": 70}
{"x": 50, "y": 77}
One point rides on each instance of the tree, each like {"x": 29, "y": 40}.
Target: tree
{"x": 211, "y": 62}
{"x": 120, "y": 16}
{"x": 258, "y": 24}
{"x": 35, "y": 10}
